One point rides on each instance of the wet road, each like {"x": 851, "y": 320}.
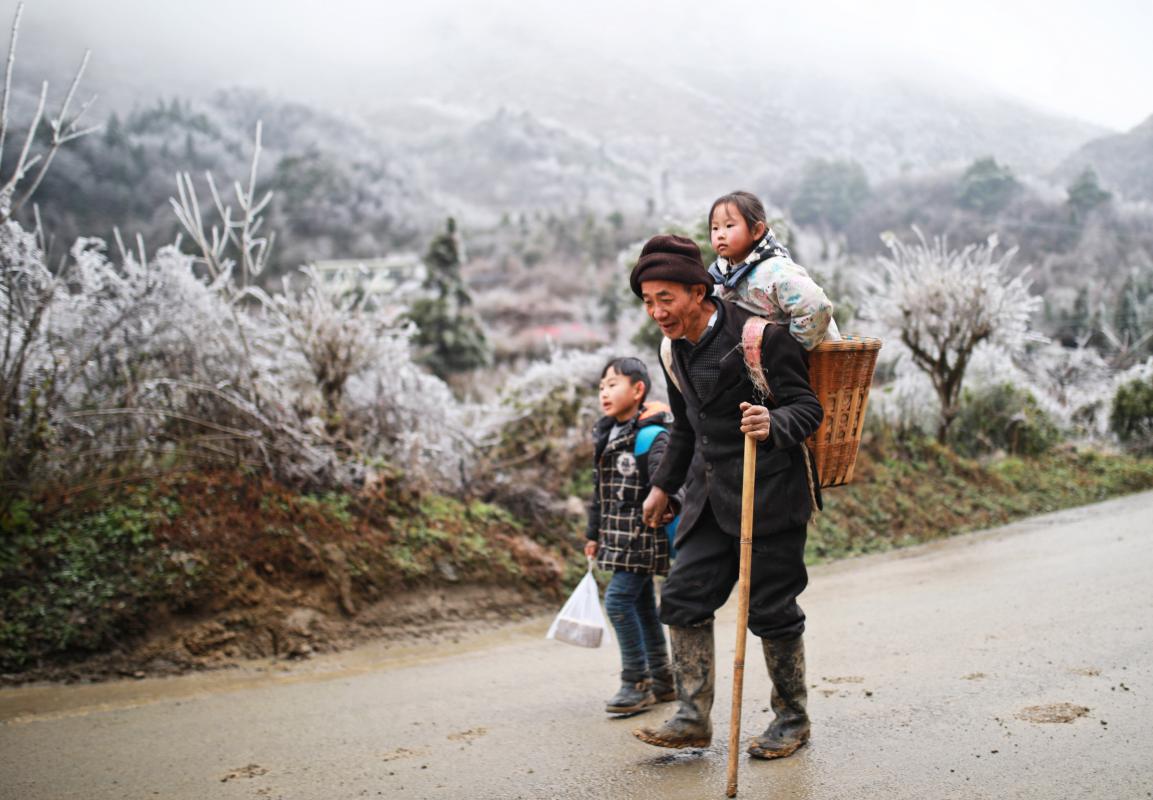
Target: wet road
{"x": 923, "y": 664}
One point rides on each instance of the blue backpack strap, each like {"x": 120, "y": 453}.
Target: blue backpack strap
{"x": 645, "y": 438}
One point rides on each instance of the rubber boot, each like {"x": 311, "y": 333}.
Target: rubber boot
{"x": 633, "y": 696}
{"x": 789, "y": 729}
{"x": 693, "y": 669}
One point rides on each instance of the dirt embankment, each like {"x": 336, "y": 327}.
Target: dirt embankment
{"x": 233, "y": 567}
{"x": 205, "y": 570}
{"x": 293, "y": 626}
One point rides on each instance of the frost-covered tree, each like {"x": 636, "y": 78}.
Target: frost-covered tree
{"x": 941, "y": 304}
{"x": 150, "y": 362}
{"x": 27, "y": 286}
{"x": 450, "y": 337}
{"x": 25, "y": 177}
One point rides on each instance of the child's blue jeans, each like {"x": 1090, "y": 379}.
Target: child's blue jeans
{"x": 631, "y": 603}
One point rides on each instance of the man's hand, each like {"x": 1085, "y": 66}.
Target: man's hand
{"x": 755, "y": 421}
{"x": 656, "y": 508}
{"x": 591, "y": 548}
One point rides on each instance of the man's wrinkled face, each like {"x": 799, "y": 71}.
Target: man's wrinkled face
{"x": 671, "y": 305}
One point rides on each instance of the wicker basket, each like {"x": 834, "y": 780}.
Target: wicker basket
{"x": 841, "y": 374}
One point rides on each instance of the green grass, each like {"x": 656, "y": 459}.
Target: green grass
{"x": 79, "y": 582}
{"x": 924, "y": 492}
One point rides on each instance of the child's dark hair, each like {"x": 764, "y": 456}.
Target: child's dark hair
{"x": 632, "y": 368}
{"x": 747, "y": 205}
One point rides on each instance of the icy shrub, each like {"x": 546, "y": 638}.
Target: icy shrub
{"x": 149, "y": 364}
{"x": 907, "y": 405}
{"x": 539, "y": 433}
{"x": 1131, "y": 417}
{"x": 1002, "y": 417}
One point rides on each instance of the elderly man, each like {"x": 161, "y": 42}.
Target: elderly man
{"x": 716, "y": 404}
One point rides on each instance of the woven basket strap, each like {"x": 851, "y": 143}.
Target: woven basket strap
{"x": 809, "y": 474}
{"x": 752, "y": 336}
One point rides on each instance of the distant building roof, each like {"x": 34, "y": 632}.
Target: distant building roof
{"x": 396, "y": 273}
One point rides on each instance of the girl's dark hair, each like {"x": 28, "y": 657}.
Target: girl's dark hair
{"x": 747, "y": 205}
{"x": 632, "y": 368}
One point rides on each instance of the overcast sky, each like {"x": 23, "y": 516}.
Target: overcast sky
{"x": 1088, "y": 60}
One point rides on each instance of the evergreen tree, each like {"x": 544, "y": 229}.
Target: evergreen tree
{"x": 449, "y": 338}
{"x": 830, "y": 193}
{"x": 986, "y": 187}
{"x": 1085, "y": 194}
{"x": 1126, "y": 321}
{"x": 114, "y": 132}
{"x": 1082, "y": 321}
{"x": 1076, "y": 324}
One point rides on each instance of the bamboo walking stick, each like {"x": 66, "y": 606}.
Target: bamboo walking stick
{"x": 747, "y": 489}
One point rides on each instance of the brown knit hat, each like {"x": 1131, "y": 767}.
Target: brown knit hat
{"x": 668, "y": 257}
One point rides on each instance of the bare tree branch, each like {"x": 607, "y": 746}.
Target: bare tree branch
{"x": 8, "y": 75}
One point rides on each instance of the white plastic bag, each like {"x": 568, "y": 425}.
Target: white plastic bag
{"x": 581, "y": 621}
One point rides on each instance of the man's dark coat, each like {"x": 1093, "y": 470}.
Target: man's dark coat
{"x": 706, "y": 447}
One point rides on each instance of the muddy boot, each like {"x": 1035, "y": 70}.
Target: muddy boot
{"x": 633, "y": 696}
{"x": 693, "y": 670}
{"x": 789, "y": 729}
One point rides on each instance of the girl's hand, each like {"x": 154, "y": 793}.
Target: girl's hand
{"x": 755, "y": 421}
{"x": 590, "y": 549}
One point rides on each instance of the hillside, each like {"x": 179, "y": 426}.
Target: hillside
{"x": 696, "y": 133}
{"x": 1123, "y": 162}
{"x": 338, "y": 191}
{"x": 544, "y": 126}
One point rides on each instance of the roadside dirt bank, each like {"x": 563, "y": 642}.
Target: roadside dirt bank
{"x": 295, "y": 629}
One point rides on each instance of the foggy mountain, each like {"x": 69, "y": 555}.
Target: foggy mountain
{"x": 1123, "y": 162}
{"x": 517, "y": 120}
{"x": 694, "y": 133}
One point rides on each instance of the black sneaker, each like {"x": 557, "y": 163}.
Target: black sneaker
{"x": 664, "y": 689}
{"x": 631, "y": 698}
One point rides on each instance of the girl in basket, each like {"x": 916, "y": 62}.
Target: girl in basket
{"x": 754, "y": 270}
{"x": 630, "y": 441}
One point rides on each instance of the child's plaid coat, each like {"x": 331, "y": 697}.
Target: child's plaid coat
{"x": 620, "y": 485}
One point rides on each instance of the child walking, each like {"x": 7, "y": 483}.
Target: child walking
{"x": 619, "y": 539}
{"x": 755, "y": 271}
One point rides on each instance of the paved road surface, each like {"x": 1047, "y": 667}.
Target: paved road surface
{"x": 922, "y": 664}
